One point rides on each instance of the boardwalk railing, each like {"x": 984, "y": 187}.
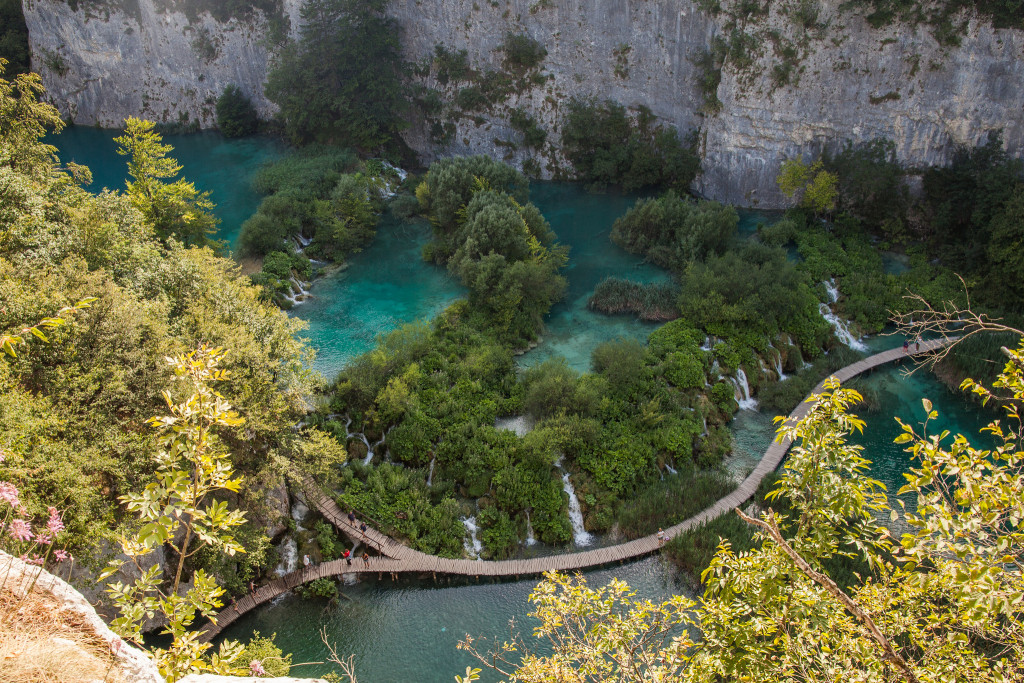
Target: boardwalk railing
{"x": 396, "y": 558}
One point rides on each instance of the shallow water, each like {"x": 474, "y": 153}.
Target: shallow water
{"x": 214, "y": 163}
{"x": 383, "y": 286}
{"x": 408, "y": 630}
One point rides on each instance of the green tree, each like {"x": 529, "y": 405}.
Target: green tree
{"x": 14, "y": 37}
{"x": 816, "y": 188}
{"x": 176, "y": 209}
{"x": 342, "y": 82}
{"x": 178, "y": 509}
{"x": 236, "y": 117}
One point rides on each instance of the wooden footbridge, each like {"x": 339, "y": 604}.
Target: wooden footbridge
{"x": 396, "y": 558}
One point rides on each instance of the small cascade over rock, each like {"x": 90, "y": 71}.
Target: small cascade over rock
{"x": 430, "y": 474}
{"x": 472, "y": 544}
{"x": 299, "y": 291}
{"x": 839, "y": 327}
{"x": 301, "y": 242}
{"x": 369, "y": 449}
{"x": 579, "y": 534}
{"x": 777, "y": 363}
{"x": 832, "y": 289}
{"x": 530, "y": 539}
{"x": 743, "y": 391}
{"x": 289, "y": 557}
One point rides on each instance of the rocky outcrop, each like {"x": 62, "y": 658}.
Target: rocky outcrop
{"x": 844, "y": 80}
{"x": 21, "y": 577}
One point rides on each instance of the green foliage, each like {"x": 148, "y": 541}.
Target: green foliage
{"x": 451, "y": 183}
{"x": 871, "y": 187}
{"x": 533, "y": 135}
{"x": 323, "y": 587}
{"x": 672, "y": 231}
{"x": 452, "y": 66}
{"x": 650, "y": 302}
{"x": 816, "y": 187}
{"x": 74, "y": 411}
{"x": 236, "y": 117}
{"x": 14, "y": 38}
{"x": 269, "y": 656}
{"x": 341, "y": 83}
{"x": 327, "y": 540}
{"x": 751, "y": 289}
{"x": 672, "y": 500}
{"x": 175, "y": 210}
{"x": 522, "y": 52}
{"x": 606, "y": 146}
{"x": 192, "y": 468}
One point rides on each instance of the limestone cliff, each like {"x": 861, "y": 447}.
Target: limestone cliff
{"x": 794, "y": 88}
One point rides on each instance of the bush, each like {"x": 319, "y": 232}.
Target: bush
{"x": 236, "y": 116}
{"x": 605, "y": 146}
{"x": 265, "y": 651}
{"x": 671, "y": 231}
{"x": 650, "y": 302}
{"x": 522, "y": 52}
{"x": 672, "y": 500}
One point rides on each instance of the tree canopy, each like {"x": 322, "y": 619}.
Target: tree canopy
{"x": 342, "y": 81}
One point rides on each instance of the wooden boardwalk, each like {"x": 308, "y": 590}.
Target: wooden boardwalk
{"x": 396, "y": 558}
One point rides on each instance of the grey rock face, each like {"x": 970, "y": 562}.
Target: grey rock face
{"x": 850, "y": 81}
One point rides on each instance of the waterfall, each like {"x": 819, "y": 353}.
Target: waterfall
{"x": 706, "y": 346}
{"x": 840, "y": 329}
{"x": 743, "y": 391}
{"x": 289, "y": 557}
{"x": 671, "y": 470}
{"x": 369, "y": 449}
{"x": 430, "y": 475}
{"x": 472, "y": 544}
{"x": 777, "y": 363}
{"x": 298, "y": 292}
{"x": 530, "y": 540}
{"x": 520, "y": 424}
{"x": 301, "y": 243}
{"x": 832, "y": 289}
{"x": 579, "y": 534}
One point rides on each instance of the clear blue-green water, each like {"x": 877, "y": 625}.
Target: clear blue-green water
{"x": 407, "y": 631}
{"x": 222, "y": 166}
{"x": 382, "y": 287}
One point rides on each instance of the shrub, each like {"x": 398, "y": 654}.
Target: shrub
{"x": 522, "y": 52}
{"x": 236, "y": 116}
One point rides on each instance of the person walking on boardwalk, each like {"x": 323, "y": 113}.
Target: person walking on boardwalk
{"x": 906, "y": 346}
{"x": 917, "y": 344}
{"x": 366, "y": 559}
{"x": 362, "y": 529}
{"x": 661, "y": 538}
{"x": 348, "y": 556}
{"x": 352, "y": 517}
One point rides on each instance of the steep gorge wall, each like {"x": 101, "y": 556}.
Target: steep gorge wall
{"x": 848, "y": 80}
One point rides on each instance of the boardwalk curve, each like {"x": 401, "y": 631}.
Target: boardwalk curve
{"x": 396, "y": 558}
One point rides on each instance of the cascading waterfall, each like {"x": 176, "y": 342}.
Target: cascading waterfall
{"x": 369, "y": 448}
{"x": 832, "y": 289}
{"x": 671, "y": 470}
{"x": 579, "y": 533}
{"x": 839, "y": 327}
{"x": 743, "y": 391}
{"x": 289, "y": 557}
{"x": 472, "y": 544}
{"x": 430, "y": 475}
{"x": 777, "y": 363}
{"x": 299, "y": 291}
{"x": 706, "y": 346}
{"x": 530, "y": 539}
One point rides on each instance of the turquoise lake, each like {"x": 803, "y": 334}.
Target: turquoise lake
{"x": 214, "y": 163}
{"x": 408, "y": 630}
